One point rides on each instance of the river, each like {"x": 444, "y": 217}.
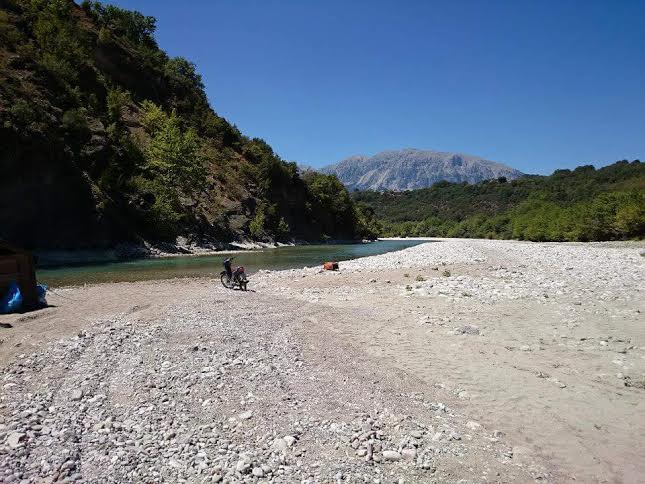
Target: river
{"x": 211, "y": 265}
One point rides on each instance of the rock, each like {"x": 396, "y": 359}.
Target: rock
{"x": 280, "y": 445}
{"x": 290, "y": 440}
{"x": 473, "y": 425}
{"x": 245, "y": 415}
{"x": 258, "y": 472}
{"x": 467, "y": 329}
{"x": 15, "y": 439}
{"x": 521, "y": 451}
{"x": 369, "y": 454}
{"x": 427, "y": 465}
{"x": 243, "y": 466}
{"x": 76, "y": 395}
{"x": 409, "y": 454}
{"x": 417, "y": 434}
{"x": 391, "y": 456}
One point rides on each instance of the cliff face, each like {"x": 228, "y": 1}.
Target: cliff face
{"x": 411, "y": 169}
{"x": 104, "y": 138}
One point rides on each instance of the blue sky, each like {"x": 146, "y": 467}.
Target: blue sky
{"x": 538, "y": 85}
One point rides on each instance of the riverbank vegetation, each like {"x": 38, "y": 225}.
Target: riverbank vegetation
{"x": 585, "y": 204}
{"x": 105, "y": 138}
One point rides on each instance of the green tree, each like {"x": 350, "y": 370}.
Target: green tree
{"x": 173, "y": 153}
{"x": 135, "y": 27}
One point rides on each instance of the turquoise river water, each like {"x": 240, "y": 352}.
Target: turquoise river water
{"x": 211, "y": 265}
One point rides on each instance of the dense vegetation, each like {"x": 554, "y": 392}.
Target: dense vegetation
{"x": 105, "y": 138}
{"x": 580, "y": 205}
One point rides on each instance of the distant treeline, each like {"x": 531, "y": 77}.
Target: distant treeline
{"x": 585, "y": 204}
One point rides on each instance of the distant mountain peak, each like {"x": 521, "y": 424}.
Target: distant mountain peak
{"x": 412, "y": 168}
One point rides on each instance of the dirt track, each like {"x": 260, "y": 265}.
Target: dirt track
{"x": 476, "y": 360}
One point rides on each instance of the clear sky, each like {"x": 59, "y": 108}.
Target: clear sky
{"x": 536, "y": 84}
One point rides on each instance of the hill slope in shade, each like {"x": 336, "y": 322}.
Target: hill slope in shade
{"x": 411, "y": 169}
{"x": 104, "y": 139}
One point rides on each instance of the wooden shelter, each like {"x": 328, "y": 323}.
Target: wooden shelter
{"x": 18, "y": 265}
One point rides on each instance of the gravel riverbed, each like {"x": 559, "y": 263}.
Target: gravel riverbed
{"x": 459, "y": 360}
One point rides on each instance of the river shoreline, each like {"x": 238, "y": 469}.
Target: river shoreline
{"x": 50, "y": 258}
{"x": 131, "y": 252}
{"x": 466, "y": 359}
{"x": 210, "y": 265}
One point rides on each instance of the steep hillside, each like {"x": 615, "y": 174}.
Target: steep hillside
{"x": 583, "y": 204}
{"x": 411, "y": 169}
{"x": 104, "y": 138}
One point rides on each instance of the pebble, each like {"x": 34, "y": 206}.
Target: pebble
{"x": 473, "y": 425}
{"x": 391, "y": 456}
{"x": 467, "y": 329}
{"x": 243, "y": 466}
{"x": 160, "y": 407}
{"x": 409, "y": 454}
{"x": 15, "y": 439}
{"x": 280, "y": 444}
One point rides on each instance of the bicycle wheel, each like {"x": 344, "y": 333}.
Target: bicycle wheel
{"x": 226, "y": 282}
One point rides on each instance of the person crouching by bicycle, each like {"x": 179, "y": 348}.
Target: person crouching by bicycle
{"x": 228, "y": 268}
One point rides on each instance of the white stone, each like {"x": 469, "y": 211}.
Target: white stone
{"x": 472, "y": 425}
{"x": 409, "y": 454}
{"x": 391, "y": 456}
{"x": 15, "y": 439}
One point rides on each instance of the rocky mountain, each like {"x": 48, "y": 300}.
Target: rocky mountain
{"x": 410, "y": 169}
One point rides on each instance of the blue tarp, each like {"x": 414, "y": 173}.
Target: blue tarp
{"x": 42, "y": 291}
{"x": 12, "y": 300}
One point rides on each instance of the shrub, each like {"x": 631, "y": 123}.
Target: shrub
{"x": 256, "y": 227}
{"x": 22, "y": 112}
{"x": 283, "y": 228}
{"x": 105, "y": 36}
{"x": 9, "y": 35}
{"x": 75, "y": 125}
{"x": 117, "y": 99}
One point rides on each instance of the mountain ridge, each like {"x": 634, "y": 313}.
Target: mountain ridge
{"x": 412, "y": 168}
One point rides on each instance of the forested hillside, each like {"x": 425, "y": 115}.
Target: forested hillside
{"x": 580, "y": 205}
{"x": 104, "y": 138}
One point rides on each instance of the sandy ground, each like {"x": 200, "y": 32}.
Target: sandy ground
{"x": 481, "y": 361}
